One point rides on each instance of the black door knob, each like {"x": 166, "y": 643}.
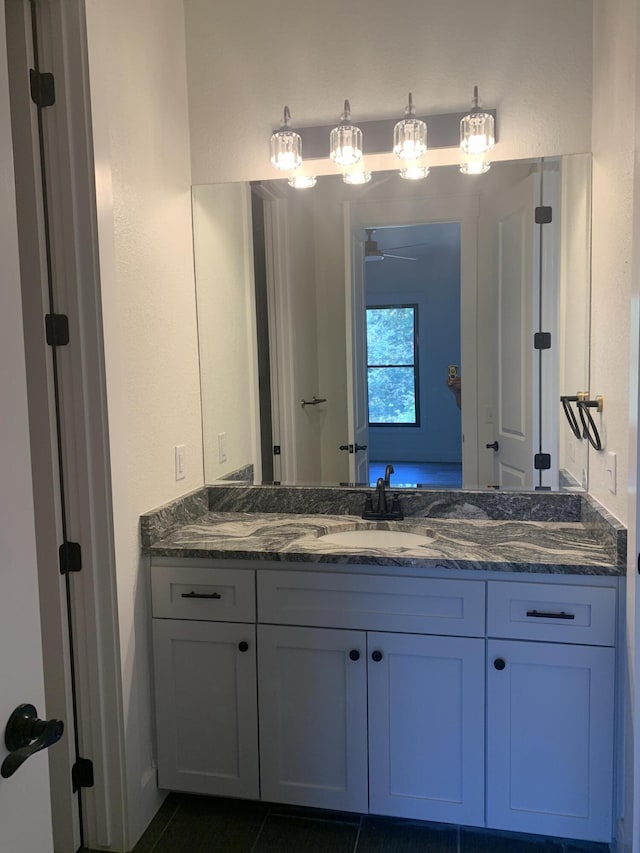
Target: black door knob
{"x": 376, "y": 656}
{"x": 348, "y": 447}
{"x": 354, "y": 654}
{"x": 499, "y": 663}
{"x": 493, "y": 446}
{"x": 360, "y": 447}
{"x": 25, "y": 735}
{"x": 243, "y": 646}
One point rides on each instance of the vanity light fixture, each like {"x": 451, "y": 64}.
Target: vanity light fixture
{"x": 474, "y": 164}
{"x": 410, "y": 135}
{"x": 286, "y": 146}
{"x": 477, "y": 136}
{"x": 345, "y": 141}
{"x": 356, "y": 177}
{"x": 302, "y": 182}
{"x": 414, "y": 173}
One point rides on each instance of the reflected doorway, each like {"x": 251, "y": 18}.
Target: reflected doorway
{"x": 413, "y": 353}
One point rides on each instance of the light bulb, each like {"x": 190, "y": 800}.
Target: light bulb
{"x": 474, "y": 164}
{"x": 414, "y": 173}
{"x": 302, "y": 182}
{"x": 360, "y": 176}
{"x": 286, "y": 146}
{"x": 345, "y": 141}
{"x": 410, "y": 135}
{"x": 477, "y": 133}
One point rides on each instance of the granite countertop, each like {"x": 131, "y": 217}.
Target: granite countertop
{"x": 552, "y": 547}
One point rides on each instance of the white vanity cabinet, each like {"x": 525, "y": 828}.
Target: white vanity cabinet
{"x": 550, "y": 709}
{"x": 205, "y": 680}
{"x": 413, "y": 703}
{"x": 469, "y": 700}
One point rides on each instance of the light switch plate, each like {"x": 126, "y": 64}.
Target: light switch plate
{"x": 222, "y": 447}
{"x": 181, "y": 471}
{"x": 611, "y": 471}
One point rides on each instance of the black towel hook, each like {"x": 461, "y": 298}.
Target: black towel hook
{"x": 590, "y": 430}
{"x": 566, "y": 401}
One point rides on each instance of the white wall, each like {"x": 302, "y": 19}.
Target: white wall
{"x": 613, "y": 173}
{"x": 141, "y": 147}
{"x": 532, "y": 62}
{"x": 222, "y": 239}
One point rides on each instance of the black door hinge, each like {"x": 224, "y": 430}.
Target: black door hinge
{"x": 82, "y": 774}
{"x": 43, "y": 88}
{"x": 543, "y": 215}
{"x": 276, "y": 450}
{"x": 57, "y": 329}
{"x": 70, "y": 557}
{"x": 542, "y": 461}
{"x": 542, "y": 340}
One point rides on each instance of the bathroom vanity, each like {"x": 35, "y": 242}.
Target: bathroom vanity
{"x": 470, "y": 679}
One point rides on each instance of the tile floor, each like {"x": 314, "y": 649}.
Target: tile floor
{"x": 191, "y": 824}
{"x": 446, "y": 475}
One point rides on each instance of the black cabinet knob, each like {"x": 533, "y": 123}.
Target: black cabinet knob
{"x": 376, "y": 656}
{"x": 354, "y": 654}
{"x": 499, "y": 663}
{"x": 243, "y": 646}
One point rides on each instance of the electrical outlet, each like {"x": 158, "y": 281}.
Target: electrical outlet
{"x": 611, "y": 471}
{"x": 222, "y": 447}
{"x": 181, "y": 471}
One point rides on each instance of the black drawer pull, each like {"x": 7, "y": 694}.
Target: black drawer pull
{"x": 541, "y": 614}
{"x": 193, "y": 594}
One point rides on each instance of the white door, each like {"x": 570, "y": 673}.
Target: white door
{"x": 426, "y": 727}
{"x": 25, "y": 811}
{"x": 550, "y": 738}
{"x": 357, "y": 402}
{"x": 516, "y": 275}
{"x": 312, "y": 685}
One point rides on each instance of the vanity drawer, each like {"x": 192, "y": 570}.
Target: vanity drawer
{"x": 189, "y": 592}
{"x": 371, "y": 602}
{"x": 556, "y": 613}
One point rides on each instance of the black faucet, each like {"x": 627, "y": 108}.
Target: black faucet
{"x": 382, "y": 511}
{"x": 388, "y": 471}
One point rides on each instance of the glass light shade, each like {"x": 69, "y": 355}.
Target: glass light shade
{"x": 477, "y": 129}
{"x": 414, "y": 173}
{"x": 286, "y": 149}
{"x": 302, "y": 182}
{"x": 286, "y": 146}
{"x": 474, "y": 164}
{"x": 477, "y": 134}
{"x": 361, "y": 176}
{"x": 345, "y": 141}
{"x": 410, "y": 135}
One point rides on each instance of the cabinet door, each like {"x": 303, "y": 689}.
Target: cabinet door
{"x": 313, "y": 717}
{"x": 550, "y": 738}
{"x": 426, "y": 727}
{"x": 206, "y": 707}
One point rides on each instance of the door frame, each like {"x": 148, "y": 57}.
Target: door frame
{"x": 85, "y": 447}
{"x": 381, "y": 213}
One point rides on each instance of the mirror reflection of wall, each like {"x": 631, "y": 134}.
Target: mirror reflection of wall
{"x": 315, "y": 243}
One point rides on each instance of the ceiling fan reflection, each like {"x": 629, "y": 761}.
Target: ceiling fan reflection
{"x": 373, "y": 253}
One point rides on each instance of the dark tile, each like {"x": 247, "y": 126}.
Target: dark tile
{"x": 305, "y": 835}
{"x": 205, "y": 824}
{"x": 389, "y": 835}
{"x": 284, "y": 810}
{"x": 488, "y": 841}
{"x": 158, "y": 825}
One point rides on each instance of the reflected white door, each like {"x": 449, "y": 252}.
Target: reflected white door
{"x": 25, "y": 811}
{"x": 516, "y": 274}
{"x": 357, "y": 403}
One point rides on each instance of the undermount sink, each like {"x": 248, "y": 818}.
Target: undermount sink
{"x": 368, "y": 538}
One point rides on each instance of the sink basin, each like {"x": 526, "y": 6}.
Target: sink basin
{"x": 377, "y": 539}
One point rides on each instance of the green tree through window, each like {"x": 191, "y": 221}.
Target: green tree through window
{"x": 392, "y": 364}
